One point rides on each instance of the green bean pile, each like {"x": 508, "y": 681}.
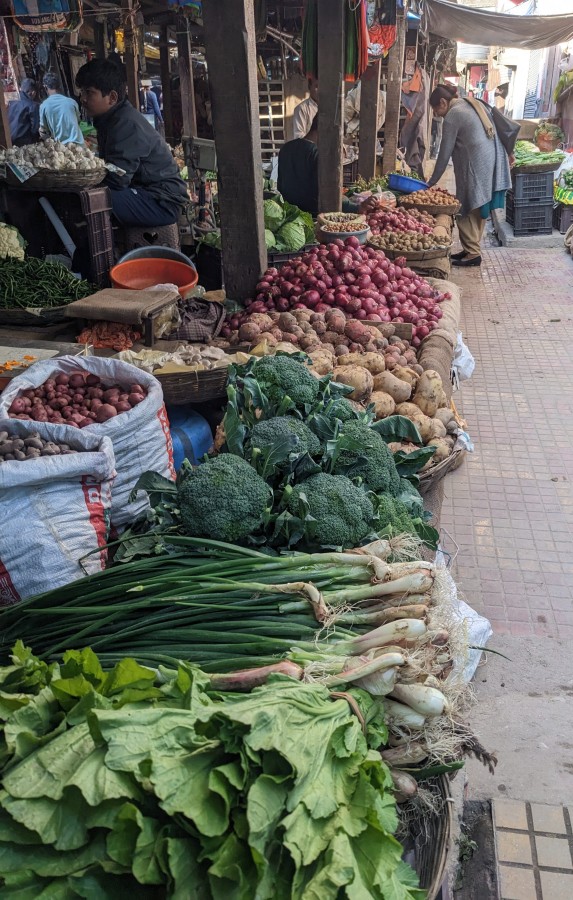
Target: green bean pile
{"x": 36, "y": 283}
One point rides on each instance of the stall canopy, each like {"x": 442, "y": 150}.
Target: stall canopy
{"x": 480, "y": 26}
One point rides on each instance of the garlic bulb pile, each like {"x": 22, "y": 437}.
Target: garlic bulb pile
{"x": 54, "y": 156}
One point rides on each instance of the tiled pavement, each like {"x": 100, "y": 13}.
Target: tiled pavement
{"x": 509, "y": 508}
{"x": 534, "y": 846}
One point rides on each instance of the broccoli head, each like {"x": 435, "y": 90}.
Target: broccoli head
{"x": 394, "y": 514}
{"x": 343, "y": 409}
{"x": 280, "y": 376}
{"x": 342, "y": 511}
{"x": 378, "y": 469}
{"x": 271, "y": 431}
{"x": 223, "y": 499}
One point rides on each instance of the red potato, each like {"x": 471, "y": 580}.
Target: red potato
{"x": 123, "y": 406}
{"x": 134, "y": 399}
{"x": 92, "y": 380}
{"x": 106, "y": 411}
{"x": 62, "y": 379}
{"x": 77, "y": 380}
{"x": 111, "y": 395}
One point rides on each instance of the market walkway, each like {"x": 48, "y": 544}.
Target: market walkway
{"x": 509, "y": 510}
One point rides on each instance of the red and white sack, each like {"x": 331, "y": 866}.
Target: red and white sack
{"x": 141, "y": 438}
{"x": 54, "y": 511}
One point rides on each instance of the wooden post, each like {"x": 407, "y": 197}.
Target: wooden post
{"x": 331, "y": 16}
{"x": 130, "y": 53}
{"x": 165, "y": 66}
{"x": 100, "y": 39}
{"x": 368, "y": 137}
{"x": 394, "y": 96}
{"x": 186, "y": 87}
{"x": 232, "y": 66}
{"x": 5, "y": 136}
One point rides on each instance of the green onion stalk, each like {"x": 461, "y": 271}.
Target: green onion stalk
{"x": 219, "y": 606}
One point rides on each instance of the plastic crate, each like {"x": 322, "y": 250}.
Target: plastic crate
{"x": 96, "y": 207}
{"x": 534, "y": 219}
{"x": 562, "y": 218}
{"x": 536, "y": 187}
{"x": 350, "y": 173}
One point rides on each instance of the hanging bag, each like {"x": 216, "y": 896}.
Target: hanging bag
{"x": 507, "y": 129}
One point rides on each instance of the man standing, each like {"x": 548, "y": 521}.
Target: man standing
{"x": 24, "y": 115}
{"x": 305, "y": 112}
{"x": 150, "y": 104}
{"x": 59, "y": 115}
{"x": 150, "y": 192}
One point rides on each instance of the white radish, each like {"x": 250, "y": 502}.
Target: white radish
{"x": 402, "y": 630}
{"x": 403, "y": 756}
{"x": 398, "y": 714}
{"x": 427, "y": 701}
{"x": 405, "y": 785}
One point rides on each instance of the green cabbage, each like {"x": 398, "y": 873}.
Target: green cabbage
{"x": 292, "y": 236}
{"x": 274, "y": 215}
{"x": 270, "y": 239}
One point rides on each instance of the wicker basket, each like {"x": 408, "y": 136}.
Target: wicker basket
{"x": 194, "y": 387}
{"x": 432, "y": 844}
{"x": 413, "y": 255}
{"x": 48, "y": 180}
{"x": 433, "y": 210}
{"x": 431, "y": 476}
{"x": 14, "y": 317}
{"x": 536, "y": 169}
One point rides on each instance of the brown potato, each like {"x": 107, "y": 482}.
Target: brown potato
{"x": 358, "y": 378}
{"x": 405, "y": 373}
{"x": 384, "y": 405}
{"x": 399, "y": 390}
{"x": 427, "y": 392}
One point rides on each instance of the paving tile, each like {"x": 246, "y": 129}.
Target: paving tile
{"x": 517, "y": 884}
{"x": 556, "y": 886}
{"x": 510, "y": 814}
{"x": 548, "y": 818}
{"x": 513, "y": 847}
{"x": 553, "y": 852}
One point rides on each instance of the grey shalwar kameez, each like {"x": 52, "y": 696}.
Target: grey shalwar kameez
{"x": 481, "y": 165}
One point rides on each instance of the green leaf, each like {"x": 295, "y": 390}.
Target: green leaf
{"x": 134, "y": 844}
{"x": 189, "y": 877}
{"x": 155, "y": 485}
{"x": 410, "y": 463}
{"x": 51, "y": 863}
{"x": 397, "y": 428}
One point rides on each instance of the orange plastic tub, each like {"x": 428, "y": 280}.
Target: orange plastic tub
{"x": 139, "y": 274}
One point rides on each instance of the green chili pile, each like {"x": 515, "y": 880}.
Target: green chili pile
{"x": 37, "y": 283}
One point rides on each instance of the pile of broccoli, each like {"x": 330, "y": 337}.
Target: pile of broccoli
{"x": 270, "y": 432}
{"x": 342, "y": 512}
{"x": 223, "y": 499}
{"x": 377, "y": 469}
{"x": 394, "y": 517}
{"x": 282, "y": 377}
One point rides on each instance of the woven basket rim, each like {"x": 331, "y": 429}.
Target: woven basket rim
{"x": 433, "y": 208}
{"x": 420, "y": 255}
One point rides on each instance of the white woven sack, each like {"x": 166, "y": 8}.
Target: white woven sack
{"x": 141, "y": 438}
{"x": 53, "y": 511}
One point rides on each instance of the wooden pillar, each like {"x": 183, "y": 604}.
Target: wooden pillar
{"x": 232, "y": 68}
{"x": 165, "y": 66}
{"x": 368, "y": 137}
{"x": 394, "y": 95}
{"x": 331, "y": 17}
{"x": 100, "y": 35}
{"x": 130, "y": 53}
{"x": 5, "y": 136}
{"x": 187, "y": 89}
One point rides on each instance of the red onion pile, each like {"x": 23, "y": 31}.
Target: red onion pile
{"x": 395, "y": 220}
{"x": 360, "y": 281}
{"x": 77, "y": 400}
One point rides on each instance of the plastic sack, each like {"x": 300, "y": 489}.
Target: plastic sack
{"x": 140, "y": 437}
{"x": 53, "y": 511}
{"x": 478, "y": 629}
{"x": 463, "y": 364}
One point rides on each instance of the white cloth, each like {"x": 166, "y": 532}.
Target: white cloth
{"x": 352, "y": 110}
{"x": 303, "y": 116}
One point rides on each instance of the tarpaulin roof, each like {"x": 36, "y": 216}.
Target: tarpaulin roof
{"x": 480, "y": 26}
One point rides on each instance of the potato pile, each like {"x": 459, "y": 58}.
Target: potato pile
{"x": 430, "y": 197}
{"x": 30, "y": 447}
{"x": 303, "y": 329}
{"x": 407, "y": 241}
{"x": 402, "y": 390}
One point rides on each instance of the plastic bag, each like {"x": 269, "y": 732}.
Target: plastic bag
{"x": 478, "y": 629}
{"x": 53, "y": 511}
{"x": 463, "y": 364}
{"x": 140, "y": 437}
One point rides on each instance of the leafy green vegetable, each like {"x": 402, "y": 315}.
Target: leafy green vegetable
{"x": 274, "y": 215}
{"x": 190, "y": 794}
{"x": 270, "y": 240}
{"x": 291, "y": 237}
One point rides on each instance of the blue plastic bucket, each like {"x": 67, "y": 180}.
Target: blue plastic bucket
{"x": 404, "y": 184}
